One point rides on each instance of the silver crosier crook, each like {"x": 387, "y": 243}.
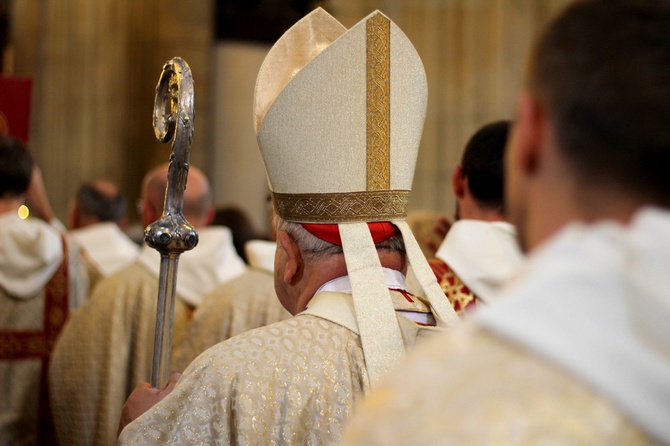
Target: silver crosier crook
{"x": 171, "y": 234}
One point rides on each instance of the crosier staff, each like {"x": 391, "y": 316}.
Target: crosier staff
{"x": 171, "y": 234}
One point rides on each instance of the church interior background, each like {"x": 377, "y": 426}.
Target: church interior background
{"x": 94, "y": 65}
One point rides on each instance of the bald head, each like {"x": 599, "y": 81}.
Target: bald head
{"x": 98, "y": 201}
{"x": 198, "y": 208}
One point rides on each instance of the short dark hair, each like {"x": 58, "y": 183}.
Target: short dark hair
{"x": 92, "y": 202}
{"x": 602, "y": 70}
{"x": 483, "y": 164}
{"x": 16, "y": 167}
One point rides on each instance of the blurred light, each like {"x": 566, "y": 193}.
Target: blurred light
{"x": 24, "y": 212}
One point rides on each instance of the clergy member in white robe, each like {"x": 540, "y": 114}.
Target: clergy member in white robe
{"x": 106, "y": 249}
{"x": 42, "y": 279}
{"x": 106, "y": 348}
{"x": 97, "y": 215}
{"x": 480, "y": 252}
{"x": 475, "y": 260}
{"x": 575, "y": 351}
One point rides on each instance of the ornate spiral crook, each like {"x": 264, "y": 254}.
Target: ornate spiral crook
{"x": 173, "y": 118}
{"x": 171, "y": 234}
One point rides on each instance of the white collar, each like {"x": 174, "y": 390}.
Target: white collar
{"x": 30, "y": 252}
{"x": 327, "y": 305}
{"x": 212, "y": 262}
{"x": 109, "y": 247}
{"x": 484, "y": 255}
{"x": 394, "y": 280}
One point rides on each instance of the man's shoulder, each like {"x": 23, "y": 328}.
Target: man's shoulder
{"x": 29, "y": 230}
{"x": 135, "y": 274}
{"x": 278, "y": 341}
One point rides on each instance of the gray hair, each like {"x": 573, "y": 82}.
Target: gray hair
{"x": 313, "y": 247}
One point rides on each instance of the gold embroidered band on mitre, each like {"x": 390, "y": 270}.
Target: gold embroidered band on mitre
{"x": 365, "y": 206}
{"x": 378, "y": 86}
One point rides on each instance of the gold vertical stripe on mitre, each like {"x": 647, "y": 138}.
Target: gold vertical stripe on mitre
{"x": 378, "y": 131}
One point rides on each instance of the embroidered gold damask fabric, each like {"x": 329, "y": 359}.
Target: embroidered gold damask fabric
{"x": 459, "y": 295}
{"x": 293, "y": 382}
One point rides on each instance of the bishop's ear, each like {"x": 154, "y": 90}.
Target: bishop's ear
{"x": 288, "y": 260}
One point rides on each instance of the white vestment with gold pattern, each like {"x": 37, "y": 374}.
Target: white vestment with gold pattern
{"x": 293, "y": 382}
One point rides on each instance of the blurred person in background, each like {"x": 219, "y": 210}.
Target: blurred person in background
{"x": 42, "y": 279}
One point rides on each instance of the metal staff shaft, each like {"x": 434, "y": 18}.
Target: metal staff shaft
{"x": 167, "y": 285}
{"x": 171, "y": 234}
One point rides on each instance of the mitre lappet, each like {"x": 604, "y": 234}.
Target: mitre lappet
{"x": 338, "y": 115}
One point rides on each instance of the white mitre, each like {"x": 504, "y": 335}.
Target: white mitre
{"x": 338, "y": 116}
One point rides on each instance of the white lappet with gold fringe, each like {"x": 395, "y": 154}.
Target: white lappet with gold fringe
{"x": 338, "y": 117}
